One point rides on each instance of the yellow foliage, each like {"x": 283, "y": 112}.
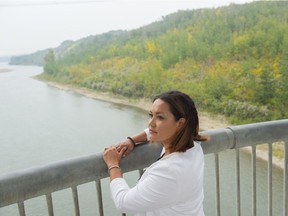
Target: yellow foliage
{"x": 150, "y": 46}
{"x": 218, "y": 12}
{"x": 189, "y": 37}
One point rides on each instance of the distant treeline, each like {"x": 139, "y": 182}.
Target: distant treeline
{"x": 232, "y": 60}
{"x": 5, "y": 58}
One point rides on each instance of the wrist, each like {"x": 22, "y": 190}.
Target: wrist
{"x": 116, "y": 166}
{"x": 132, "y": 141}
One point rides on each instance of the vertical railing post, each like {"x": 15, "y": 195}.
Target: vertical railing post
{"x": 49, "y": 204}
{"x": 21, "y": 209}
{"x": 141, "y": 171}
{"x": 285, "y": 180}
{"x": 76, "y": 201}
{"x": 269, "y": 179}
{"x": 254, "y": 200}
{"x": 238, "y": 182}
{"x": 99, "y": 197}
{"x": 218, "y": 205}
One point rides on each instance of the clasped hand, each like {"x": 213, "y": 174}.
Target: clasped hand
{"x": 114, "y": 153}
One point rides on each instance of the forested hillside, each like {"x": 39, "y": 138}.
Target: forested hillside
{"x": 37, "y": 58}
{"x": 232, "y": 60}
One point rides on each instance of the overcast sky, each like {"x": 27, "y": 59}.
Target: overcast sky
{"x": 30, "y": 25}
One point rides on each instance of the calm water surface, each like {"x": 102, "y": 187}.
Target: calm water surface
{"x": 40, "y": 124}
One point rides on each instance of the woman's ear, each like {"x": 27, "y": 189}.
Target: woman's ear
{"x": 181, "y": 123}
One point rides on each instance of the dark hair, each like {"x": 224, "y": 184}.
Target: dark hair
{"x": 182, "y": 106}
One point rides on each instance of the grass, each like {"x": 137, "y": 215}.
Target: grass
{"x": 277, "y": 149}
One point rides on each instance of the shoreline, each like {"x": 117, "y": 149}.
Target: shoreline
{"x": 206, "y": 120}
{"x": 4, "y": 70}
{"x": 263, "y": 155}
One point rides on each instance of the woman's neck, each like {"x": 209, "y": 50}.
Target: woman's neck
{"x": 167, "y": 147}
{"x": 167, "y": 151}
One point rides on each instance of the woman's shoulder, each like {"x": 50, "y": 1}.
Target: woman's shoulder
{"x": 180, "y": 159}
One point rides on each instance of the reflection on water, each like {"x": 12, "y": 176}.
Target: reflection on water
{"x": 41, "y": 124}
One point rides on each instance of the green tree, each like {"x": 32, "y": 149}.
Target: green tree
{"x": 50, "y": 63}
{"x": 216, "y": 55}
{"x": 283, "y": 103}
{"x": 266, "y": 90}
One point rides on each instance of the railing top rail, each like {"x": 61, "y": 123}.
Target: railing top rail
{"x": 24, "y": 184}
{"x": 29, "y": 183}
{"x": 245, "y": 135}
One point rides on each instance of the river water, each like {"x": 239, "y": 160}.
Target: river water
{"x": 40, "y": 124}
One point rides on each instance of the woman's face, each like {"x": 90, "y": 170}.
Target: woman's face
{"x": 162, "y": 124}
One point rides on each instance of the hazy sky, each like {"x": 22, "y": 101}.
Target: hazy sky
{"x": 30, "y": 25}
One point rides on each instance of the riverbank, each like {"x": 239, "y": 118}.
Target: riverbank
{"x": 4, "y": 70}
{"x": 207, "y": 121}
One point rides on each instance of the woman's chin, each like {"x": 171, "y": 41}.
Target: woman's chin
{"x": 152, "y": 139}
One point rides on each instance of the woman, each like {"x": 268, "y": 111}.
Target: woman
{"x": 173, "y": 185}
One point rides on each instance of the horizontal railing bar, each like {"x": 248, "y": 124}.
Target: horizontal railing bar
{"x": 245, "y": 135}
{"x": 18, "y": 186}
{"x": 259, "y": 133}
{"x": 29, "y": 183}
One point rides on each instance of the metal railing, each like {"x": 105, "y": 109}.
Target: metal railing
{"x": 17, "y": 187}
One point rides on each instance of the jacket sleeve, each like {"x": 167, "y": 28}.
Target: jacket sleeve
{"x": 147, "y": 134}
{"x": 157, "y": 190}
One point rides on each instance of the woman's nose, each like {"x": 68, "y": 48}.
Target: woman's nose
{"x": 151, "y": 122}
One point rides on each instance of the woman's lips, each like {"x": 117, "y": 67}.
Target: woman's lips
{"x": 152, "y": 132}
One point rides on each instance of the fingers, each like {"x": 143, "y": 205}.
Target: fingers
{"x": 124, "y": 148}
{"x": 126, "y": 152}
{"x": 127, "y": 145}
{"x": 110, "y": 148}
{"x": 122, "y": 152}
{"x": 111, "y": 155}
{"x": 121, "y": 147}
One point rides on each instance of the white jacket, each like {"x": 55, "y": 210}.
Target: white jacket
{"x": 172, "y": 186}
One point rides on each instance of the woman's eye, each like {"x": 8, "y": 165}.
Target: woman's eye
{"x": 160, "y": 117}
